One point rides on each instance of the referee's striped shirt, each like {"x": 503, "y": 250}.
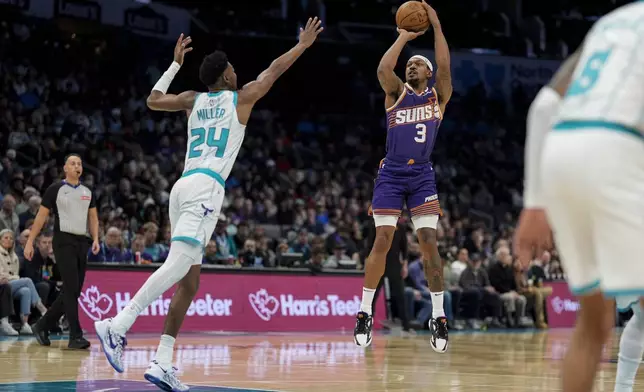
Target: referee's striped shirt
{"x": 70, "y": 204}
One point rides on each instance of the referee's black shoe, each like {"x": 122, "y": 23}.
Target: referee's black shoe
{"x": 78, "y": 343}
{"x": 41, "y": 334}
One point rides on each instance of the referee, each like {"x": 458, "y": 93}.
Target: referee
{"x": 72, "y": 203}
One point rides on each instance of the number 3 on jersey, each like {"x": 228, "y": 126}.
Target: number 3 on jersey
{"x": 422, "y": 133}
{"x": 589, "y": 74}
{"x": 216, "y": 138}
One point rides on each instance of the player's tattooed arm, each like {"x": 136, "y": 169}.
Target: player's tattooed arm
{"x": 443, "y": 62}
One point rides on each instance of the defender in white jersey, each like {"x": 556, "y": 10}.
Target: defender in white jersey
{"x": 588, "y": 175}
{"x": 216, "y": 125}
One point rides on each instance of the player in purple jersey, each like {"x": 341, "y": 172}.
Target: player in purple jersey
{"x": 406, "y": 176}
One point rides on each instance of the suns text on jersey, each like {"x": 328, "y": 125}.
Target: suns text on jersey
{"x": 427, "y": 112}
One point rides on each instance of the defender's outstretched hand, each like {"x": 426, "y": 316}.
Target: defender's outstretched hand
{"x": 310, "y": 32}
{"x": 181, "y": 48}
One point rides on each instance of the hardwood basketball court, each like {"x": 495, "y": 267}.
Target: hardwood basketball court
{"x": 482, "y": 361}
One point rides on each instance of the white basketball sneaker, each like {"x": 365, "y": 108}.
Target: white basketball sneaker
{"x": 362, "y": 332}
{"x": 439, "y": 335}
{"x": 165, "y": 379}
{"x": 113, "y": 344}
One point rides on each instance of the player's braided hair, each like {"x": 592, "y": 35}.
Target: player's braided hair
{"x": 212, "y": 67}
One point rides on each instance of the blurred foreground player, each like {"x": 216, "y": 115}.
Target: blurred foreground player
{"x": 414, "y": 113}
{"x": 631, "y": 345}
{"x": 593, "y": 161}
{"x": 216, "y": 126}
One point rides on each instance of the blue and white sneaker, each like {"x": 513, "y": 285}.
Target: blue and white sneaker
{"x": 113, "y": 344}
{"x": 165, "y": 379}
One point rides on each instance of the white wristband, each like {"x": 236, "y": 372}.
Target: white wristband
{"x": 164, "y": 82}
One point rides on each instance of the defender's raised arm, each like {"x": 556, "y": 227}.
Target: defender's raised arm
{"x": 158, "y": 99}
{"x": 253, "y": 91}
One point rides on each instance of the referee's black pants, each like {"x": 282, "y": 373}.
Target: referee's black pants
{"x": 70, "y": 251}
{"x": 393, "y": 273}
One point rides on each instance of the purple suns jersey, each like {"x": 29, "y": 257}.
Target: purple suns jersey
{"x": 412, "y": 126}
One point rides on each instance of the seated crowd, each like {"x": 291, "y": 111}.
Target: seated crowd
{"x": 481, "y": 292}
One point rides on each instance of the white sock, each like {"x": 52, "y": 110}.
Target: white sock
{"x": 180, "y": 258}
{"x": 123, "y": 321}
{"x": 165, "y": 351}
{"x": 367, "y": 300}
{"x": 4, "y": 320}
{"x": 631, "y": 349}
{"x": 437, "y": 305}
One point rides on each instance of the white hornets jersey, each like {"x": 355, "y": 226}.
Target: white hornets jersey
{"x": 607, "y": 88}
{"x": 215, "y": 134}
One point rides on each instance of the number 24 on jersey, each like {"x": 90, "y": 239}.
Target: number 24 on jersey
{"x": 216, "y": 138}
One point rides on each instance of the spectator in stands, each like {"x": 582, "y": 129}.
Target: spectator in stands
{"x": 460, "y": 264}
{"x": 27, "y": 194}
{"x": 153, "y": 248}
{"x": 456, "y": 292}
{"x": 139, "y": 255}
{"x": 20, "y": 245}
{"x": 419, "y": 280}
{"x": 475, "y": 279}
{"x": 210, "y": 253}
{"x": 317, "y": 258}
{"x": 22, "y": 289}
{"x": 226, "y": 249}
{"x": 243, "y": 232}
{"x": 6, "y": 308}
{"x": 112, "y": 249}
{"x": 555, "y": 271}
{"x": 265, "y": 248}
{"x": 535, "y": 294}
{"x": 339, "y": 258}
{"x": 537, "y": 273}
{"x": 8, "y": 217}
{"x": 167, "y": 236}
{"x": 342, "y": 235}
{"x": 30, "y": 214}
{"x": 301, "y": 245}
{"x": 502, "y": 278}
{"x": 414, "y": 300}
{"x": 474, "y": 243}
{"x": 251, "y": 256}
{"x": 40, "y": 269}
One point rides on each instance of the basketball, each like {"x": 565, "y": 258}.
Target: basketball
{"x": 411, "y": 16}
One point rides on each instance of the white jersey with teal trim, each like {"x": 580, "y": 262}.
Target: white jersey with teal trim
{"x": 607, "y": 89}
{"x": 215, "y": 134}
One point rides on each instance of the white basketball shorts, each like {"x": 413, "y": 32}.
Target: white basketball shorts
{"x": 593, "y": 180}
{"x": 195, "y": 205}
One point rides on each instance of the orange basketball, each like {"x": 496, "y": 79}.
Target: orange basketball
{"x": 411, "y": 16}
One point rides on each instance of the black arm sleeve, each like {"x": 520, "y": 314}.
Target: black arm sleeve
{"x": 92, "y": 202}
{"x": 403, "y": 243}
